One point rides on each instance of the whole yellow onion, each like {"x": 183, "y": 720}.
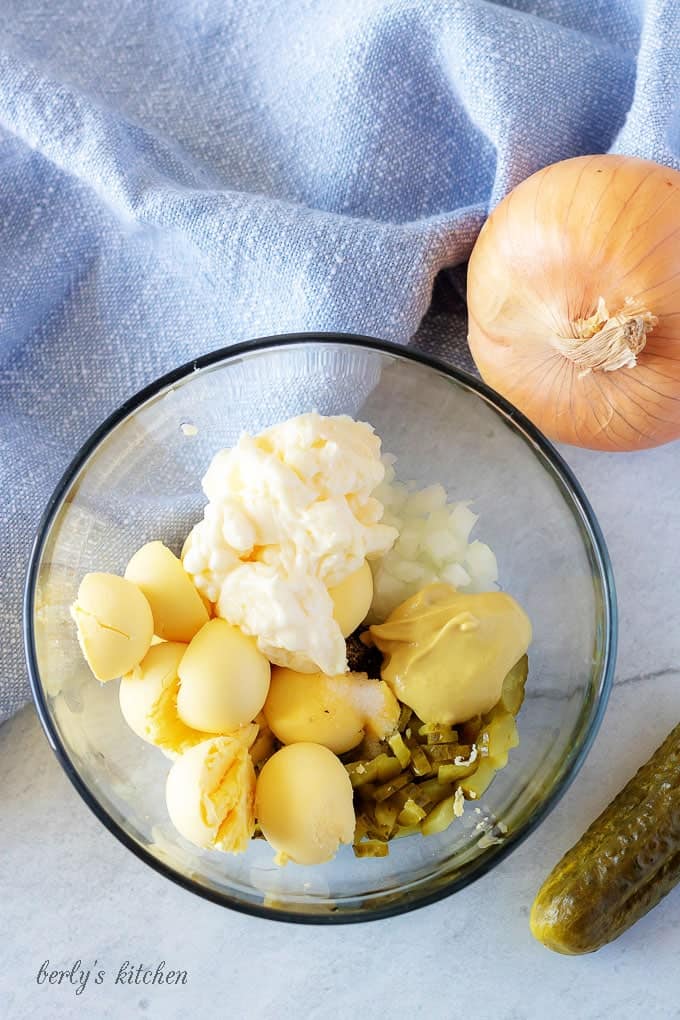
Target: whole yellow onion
{"x": 574, "y": 301}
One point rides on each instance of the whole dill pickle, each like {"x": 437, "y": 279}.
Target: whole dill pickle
{"x": 621, "y": 867}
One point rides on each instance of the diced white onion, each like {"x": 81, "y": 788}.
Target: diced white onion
{"x": 456, "y": 575}
{"x": 433, "y": 544}
{"x": 425, "y": 501}
{"x": 463, "y": 520}
{"x": 409, "y": 571}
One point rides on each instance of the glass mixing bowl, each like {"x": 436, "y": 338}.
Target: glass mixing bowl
{"x": 139, "y": 478}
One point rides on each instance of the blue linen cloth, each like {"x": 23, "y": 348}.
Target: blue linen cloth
{"x": 177, "y": 175}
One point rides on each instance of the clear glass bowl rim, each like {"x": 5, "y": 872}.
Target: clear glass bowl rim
{"x": 598, "y": 549}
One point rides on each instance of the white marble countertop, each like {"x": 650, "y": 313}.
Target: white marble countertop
{"x": 69, "y": 890}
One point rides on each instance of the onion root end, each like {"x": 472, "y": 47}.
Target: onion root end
{"x": 605, "y": 342}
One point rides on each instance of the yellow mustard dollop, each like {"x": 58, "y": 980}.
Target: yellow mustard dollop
{"x": 448, "y": 652}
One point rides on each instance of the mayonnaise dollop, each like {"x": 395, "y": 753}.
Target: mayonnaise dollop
{"x": 290, "y": 515}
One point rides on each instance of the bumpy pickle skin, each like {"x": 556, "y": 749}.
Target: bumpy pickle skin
{"x": 622, "y": 866}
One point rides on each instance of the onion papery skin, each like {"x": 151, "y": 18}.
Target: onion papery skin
{"x": 594, "y": 231}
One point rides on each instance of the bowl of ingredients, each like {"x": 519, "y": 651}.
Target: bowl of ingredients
{"x": 319, "y": 628}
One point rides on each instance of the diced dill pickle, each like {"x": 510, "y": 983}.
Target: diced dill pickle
{"x": 370, "y": 748}
{"x": 427, "y": 727}
{"x": 405, "y": 830}
{"x": 367, "y": 825}
{"x": 360, "y": 828}
{"x": 439, "y": 818}
{"x": 398, "y": 799}
{"x": 512, "y": 694}
{"x": 371, "y": 848}
{"x": 450, "y": 772}
{"x": 378, "y": 831}
{"x": 431, "y": 792}
{"x": 381, "y": 768}
{"x": 386, "y": 813}
{"x": 400, "y": 749}
{"x": 438, "y": 733}
{"x": 387, "y": 789}
{"x": 417, "y": 793}
{"x": 447, "y": 752}
{"x": 475, "y": 785}
{"x": 408, "y": 783}
{"x": 503, "y": 736}
{"x": 404, "y": 718}
{"x": 388, "y": 768}
{"x": 361, "y": 772}
{"x": 469, "y": 731}
{"x": 420, "y": 763}
{"x": 422, "y": 798}
{"x": 442, "y": 737}
{"x": 411, "y": 813}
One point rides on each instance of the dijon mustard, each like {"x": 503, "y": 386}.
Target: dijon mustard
{"x": 448, "y": 652}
